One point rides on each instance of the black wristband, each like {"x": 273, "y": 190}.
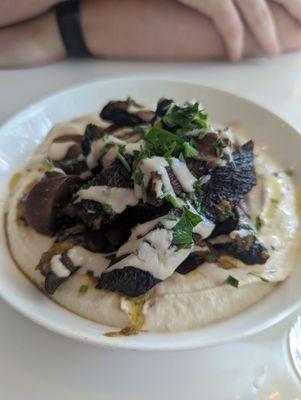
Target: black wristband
{"x": 68, "y": 18}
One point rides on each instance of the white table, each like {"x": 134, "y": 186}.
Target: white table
{"x": 38, "y": 364}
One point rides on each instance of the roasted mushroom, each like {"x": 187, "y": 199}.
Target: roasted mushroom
{"x": 42, "y": 203}
{"x": 119, "y": 112}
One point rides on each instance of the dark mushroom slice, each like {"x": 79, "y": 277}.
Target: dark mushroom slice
{"x": 73, "y": 163}
{"x": 131, "y": 217}
{"x": 115, "y": 175}
{"x": 162, "y": 107}
{"x": 93, "y": 213}
{"x": 92, "y": 133}
{"x": 42, "y": 204}
{"x": 228, "y": 184}
{"x": 193, "y": 261}
{"x": 129, "y": 281}
{"x": 243, "y": 242}
{"x": 52, "y": 280}
{"x": 119, "y": 113}
{"x": 92, "y": 240}
{"x": 146, "y": 259}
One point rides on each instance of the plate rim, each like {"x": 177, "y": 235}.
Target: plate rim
{"x": 124, "y": 343}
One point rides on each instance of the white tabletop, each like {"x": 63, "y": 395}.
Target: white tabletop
{"x": 38, "y": 364}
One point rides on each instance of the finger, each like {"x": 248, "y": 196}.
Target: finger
{"x": 292, "y": 6}
{"x": 261, "y": 23}
{"x": 228, "y": 23}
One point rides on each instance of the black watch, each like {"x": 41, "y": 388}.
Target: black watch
{"x": 68, "y": 18}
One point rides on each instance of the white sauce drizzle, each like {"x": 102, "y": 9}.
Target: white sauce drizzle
{"x": 183, "y": 175}
{"x": 58, "y": 267}
{"x": 117, "y": 198}
{"x": 58, "y": 150}
{"x": 158, "y": 165}
{"x": 88, "y": 261}
{"x": 153, "y": 253}
{"x": 98, "y": 145}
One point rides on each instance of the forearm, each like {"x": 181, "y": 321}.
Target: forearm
{"x": 167, "y": 30}
{"x": 14, "y": 11}
{"x": 133, "y": 29}
{"x": 153, "y": 29}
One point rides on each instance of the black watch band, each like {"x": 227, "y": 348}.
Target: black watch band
{"x": 68, "y": 18}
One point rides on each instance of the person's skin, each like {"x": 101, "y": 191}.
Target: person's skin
{"x": 135, "y": 29}
{"x": 13, "y": 11}
{"x": 231, "y": 16}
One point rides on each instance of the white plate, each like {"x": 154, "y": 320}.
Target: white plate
{"x": 20, "y": 135}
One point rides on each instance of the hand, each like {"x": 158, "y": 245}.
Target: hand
{"x": 225, "y": 15}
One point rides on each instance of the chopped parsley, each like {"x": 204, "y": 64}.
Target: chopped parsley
{"x": 138, "y": 177}
{"x": 259, "y": 222}
{"x": 289, "y": 172}
{"x": 48, "y": 164}
{"x": 258, "y": 276}
{"x": 246, "y": 227}
{"x": 105, "y": 137}
{"x": 171, "y": 217}
{"x": 185, "y": 118}
{"x": 182, "y": 231}
{"x": 227, "y": 214}
{"x": 232, "y": 281}
{"x": 172, "y": 200}
{"x": 83, "y": 289}
{"x": 86, "y": 185}
{"x": 181, "y": 157}
{"x": 124, "y": 162}
{"x": 140, "y": 129}
{"x": 169, "y": 161}
{"x": 107, "y": 208}
{"x": 163, "y": 143}
{"x": 274, "y": 201}
{"x": 91, "y": 211}
{"x": 189, "y": 150}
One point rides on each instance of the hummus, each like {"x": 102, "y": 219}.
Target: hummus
{"x": 179, "y": 301}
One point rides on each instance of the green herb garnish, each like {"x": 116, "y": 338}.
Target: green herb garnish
{"x": 258, "y": 276}
{"x": 105, "y": 137}
{"x": 189, "y": 150}
{"x": 86, "y": 185}
{"x": 48, "y": 164}
{"x": 227, "y": 214}
{"x": 232, "y": 281}
{"x": 83, "y": 289}
{"x": 259, "y": 223}
{"x": 138, "y": 177}
{"x": 276, "y": 174}
{"x": 123, "y": 162}
{"x": 171, "y": 217}
{"x": 185, "y": 118}
{"x": 91, "y": 211}
{"x": 289, "y": 172}
{"x": 107, "y": 208}
{"x": 140, "y": 129}
{"x": 172, "y": 200}
{"x": 163, "y": 143}
{"x": 274, "y": 201}
{"x": 182, "y": 231}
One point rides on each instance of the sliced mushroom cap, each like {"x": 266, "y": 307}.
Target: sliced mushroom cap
{"x": 41, "y": 203}
{"x": 119, "y": 113}
{"x": 129, "y": 281}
